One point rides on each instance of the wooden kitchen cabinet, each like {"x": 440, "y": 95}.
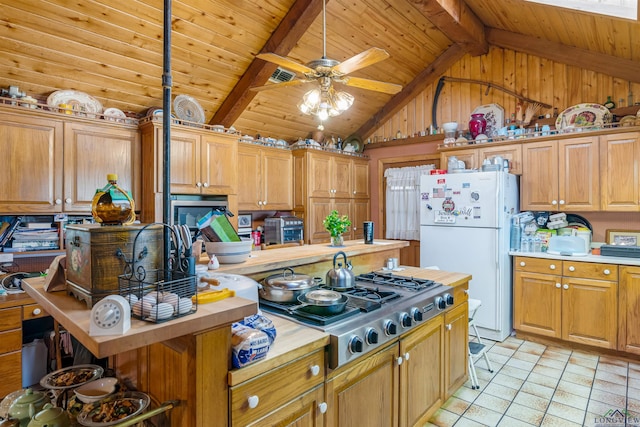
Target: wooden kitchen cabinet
{"x": 558, "y": 299}
{"x": 512, "y": 153}
{"x": 620, "y": 172}
{"x": 366, "y": 392}
{"x": 61, "y": 163}
{"x": 456, "y": 342}
{"x": 10, "y": 350}
{"x": 421, "y": 373}
{"x": 292, "y": 394}
{"x": 326, "y": 181}
{"x": 561, "y": 175}
{"x": 629, "y": 315}
{"x": 265, "y": 182}
{"x": 91, "y": 151}
{"x": 469, "y": 156}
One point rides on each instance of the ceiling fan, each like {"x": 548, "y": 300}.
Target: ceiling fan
{"x": 326, "y": 71}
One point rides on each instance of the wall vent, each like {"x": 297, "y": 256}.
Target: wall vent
{"x": 281, "y": 75}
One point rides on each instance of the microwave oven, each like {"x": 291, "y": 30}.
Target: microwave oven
{"x": 188, "y": 209}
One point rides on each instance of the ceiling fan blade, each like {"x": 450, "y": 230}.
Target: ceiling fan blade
{"x": 390, "y": 88}
{"x": 361, "y": 60}
{"x": 284, "y": 62}
{"x": 279, "y": 85}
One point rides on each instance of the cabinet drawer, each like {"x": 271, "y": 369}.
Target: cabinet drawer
{"x": 33, "y": 311}
{"x": 10, "y": 341}
{"x": 538, "y": 265}
{"x": 590, "y": 270}
{"x": 10, "y": 318}
{"x": 10, "y": 372}
{"x": 276, "y": 388}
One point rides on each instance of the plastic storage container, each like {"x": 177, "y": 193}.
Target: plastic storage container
{"x": 567, "y": 245}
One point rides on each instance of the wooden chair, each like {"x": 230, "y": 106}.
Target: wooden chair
{"x": 283, "y": 245}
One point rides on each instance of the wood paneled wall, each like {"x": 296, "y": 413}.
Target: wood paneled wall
{"x": 537, "y": 78}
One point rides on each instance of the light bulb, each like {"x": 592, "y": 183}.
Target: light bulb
{"x": 323, "y": 114}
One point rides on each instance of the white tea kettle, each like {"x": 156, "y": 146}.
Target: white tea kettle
{"x": 340, "y": 277}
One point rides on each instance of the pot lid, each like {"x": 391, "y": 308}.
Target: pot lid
{"x": 290, "y": 280}
{"x": 49, "y": 413}
{"x": 29, "y": 397}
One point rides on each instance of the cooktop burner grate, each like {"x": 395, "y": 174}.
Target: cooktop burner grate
{"x": 389, "y": 279}
{"x": 289, "y": 310}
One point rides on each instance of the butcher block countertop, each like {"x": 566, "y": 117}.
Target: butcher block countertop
{"x": 274, "y": 259}
{"x": 294, "y": 340}
{"x": 74, "y": 315}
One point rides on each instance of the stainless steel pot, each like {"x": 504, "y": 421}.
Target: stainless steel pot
{"x": 287, "y": 286}
{"x": 340, "y": 277}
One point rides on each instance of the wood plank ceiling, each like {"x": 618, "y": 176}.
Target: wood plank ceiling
{"x": 113, "y": 50}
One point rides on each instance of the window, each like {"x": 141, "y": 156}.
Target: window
{"x": 627, "y": 9}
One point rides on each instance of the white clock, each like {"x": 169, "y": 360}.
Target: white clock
{"x": 110, "y": 316}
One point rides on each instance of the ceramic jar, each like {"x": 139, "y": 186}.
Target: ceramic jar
{"x": 477, "y": 125}
{"x": 27, "y": 405}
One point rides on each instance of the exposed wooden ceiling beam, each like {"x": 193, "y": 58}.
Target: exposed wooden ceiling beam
{"x": 411, "y": 90}
{"x": 602, "y": 63}
{"x": 295, "y": 23}
{"x": 457, "y": 21}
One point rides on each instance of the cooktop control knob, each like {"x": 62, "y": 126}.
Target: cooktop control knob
{"x": 390, "y": 328}
{"x": 448, "y": 299}
{"x": 371, "y": 336}
{"x": 356, "y": 345}
{"x": 441, "y": 303}
{"x": 405, "y": 320}
{"x": 416, "y": 314}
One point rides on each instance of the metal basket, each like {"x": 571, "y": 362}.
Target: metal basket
{"x": 158, "y": 295}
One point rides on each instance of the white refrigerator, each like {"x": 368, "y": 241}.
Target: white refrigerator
{"x": 464, "y": 227}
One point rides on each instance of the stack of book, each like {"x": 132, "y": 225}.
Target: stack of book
{"x": 31, "y": 236}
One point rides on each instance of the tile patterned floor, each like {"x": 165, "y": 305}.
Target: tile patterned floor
{"x": 534, "y": 384}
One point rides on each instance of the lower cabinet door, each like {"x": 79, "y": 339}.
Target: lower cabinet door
{"x": 537, "y": 303}
{"x": 10, "y": 372}
{"x": 365, "y": 394}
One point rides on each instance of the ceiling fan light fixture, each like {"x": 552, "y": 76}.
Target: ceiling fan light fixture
{"x": 325, "y": 103}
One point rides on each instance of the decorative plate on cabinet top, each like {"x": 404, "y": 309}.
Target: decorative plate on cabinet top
{"x": 582, "y": 115}
{"x": 114, "y": 115}
{"x": 80, "y": 102}
{"x": 494, "y": 115}
{"x": 187, "y": 108}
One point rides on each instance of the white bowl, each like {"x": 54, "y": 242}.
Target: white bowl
{"x": 96, "y": 390}
{"x": 229, "y": 252}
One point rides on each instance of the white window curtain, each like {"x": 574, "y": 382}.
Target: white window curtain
{"x": 403, "y": 201}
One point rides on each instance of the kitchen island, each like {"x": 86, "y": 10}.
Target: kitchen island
{"x": 189, "y": 359}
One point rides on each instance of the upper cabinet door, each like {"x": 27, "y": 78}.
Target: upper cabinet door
{"x": 360, "y": 178}
{"x": 91, "y": 151}
{"x": 31, "y": 176}
{"x": 341, "y": 175}
{"x": 249, "y": 185}
{"x": 184, "y": 162}
{"x": 620, "y": 177}
{"x": 218, "y": 163}
{"x": 319, "y": 176}
{"x": 277, "y": 173}
{"x": 539, "y": 182}
{"x": 578, "y": 177}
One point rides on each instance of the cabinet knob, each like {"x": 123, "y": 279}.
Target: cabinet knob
{"x": 259, "y": 202}
{"x": 399, "y": 360}
{"x": 552, "y": 266}
{"x": 406, "y": 356}
{"x": 68, "y": 200}
{"x": 354, "y": 191}
{"x": 522, "y": 263}
{"x": 554, "y": 202}
{"x": 36, "y": 312}
{"x": 198, "y": 184}
{"x": 264, "y": 203}
{"x": 322, "y": 407}
{"x": 466, "y": 291}
{"x": 562, "y": 202}
{"x": 448, "y": 326}
{"x": 572, "y": 268}
{"x": 565, "y": 286}
{"x": 205, "y": 185}
{"x": 58, "y": 201}
{"x": 253, "y": 401}
{"x": 558, "y": 285}
{"x": 315, "y": 370}
{"x": 607, "y": 271}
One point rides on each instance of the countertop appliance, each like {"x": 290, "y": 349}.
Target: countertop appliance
{"x": 464, "y": 227}
{"x": 283, "y": 229}
{"x": 381, "y": 306}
